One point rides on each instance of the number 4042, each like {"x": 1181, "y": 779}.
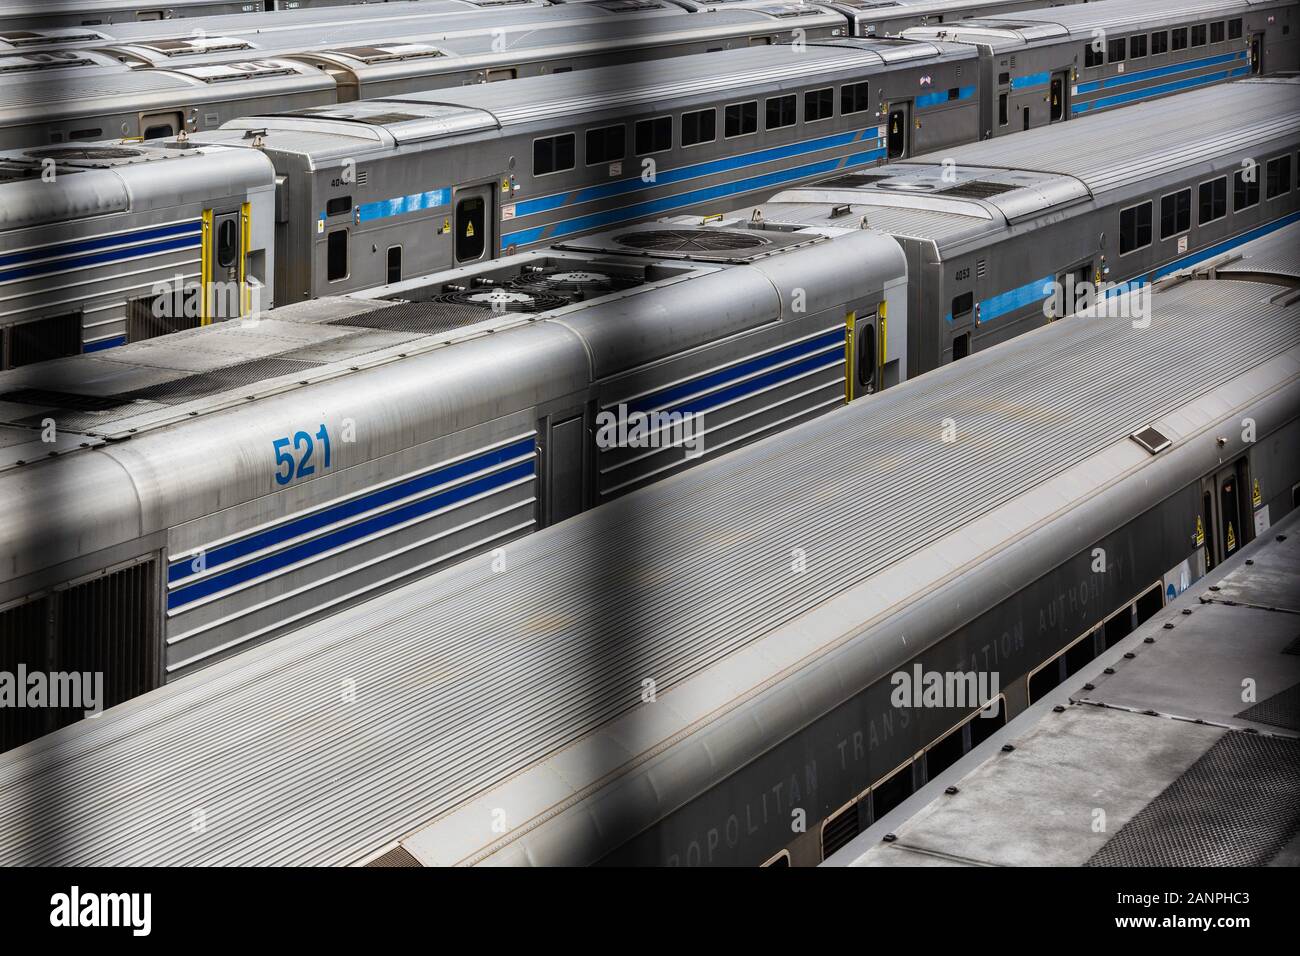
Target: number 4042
{"x": 297, "y": 463}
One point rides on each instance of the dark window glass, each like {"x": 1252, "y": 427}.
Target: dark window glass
{"x": 553, "y": 154}
{"x": 338, "y": 205}
{"x": 471, "y": 227}
{"x": 606, "y": 145}
{"x": 741, "y": 119}
{"x": 819, "y": 104}
{"x": 1245, "y": 193}
{"x": 394, "y": 264}
{"x": 1213, "y": 200}
{"x": 1198, "y": 35}
{"x": 654, "y": 135}
{"x": 1175, "y": 213}
{"x": 866, "y": 357}
{"x": 94, "y": 133}
{"x": 1230, "y": 528}
{"x": 1137, "y": 46}
{"x": 227, "y": 243}
{"x": 1134, "y": 228}
{"x": 1159, "y": 43}
{"x": 1002, "y": 109}
{"x": 1278, "y": 177}
{"x": 945, "y": 753}
{"x": 1180, "y": 38}
{"x": 1115, "y": 50}
{"x": 336, "y": 258}
{"x": 780, "y": 111}
{"x": 1216, "y": 32}
{"x": 1091, "y": 56}
{"x": 886, "y": 796}
{"x": 960, "y": 346}
{"x": 854, "y": 98}
{"x": 699, "y": 127}
{"x": 962, "y": 304}
{"x": 1234, "y": 29}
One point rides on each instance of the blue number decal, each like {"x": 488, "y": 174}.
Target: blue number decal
{"x": 286, "y": 468}
{"x": 283, "y": 458}
{"x": 299, "y": 440}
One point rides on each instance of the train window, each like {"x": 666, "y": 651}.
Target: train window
{"x": 394, "y": 264}
{"x": 1234, "y": 29}
{"x": 1115, "y": 50}
{"x": 553, "y": 154}
{"x": 227, "y": 243}
{"x": 781, "y": 859}
{"x": 502, "y": 73}
{"x": 1134, "y": 228}
{"x": 1091, "y": 55}
{"x": 1213, "y": 200}
{"x": 1198, "y": 34}
{"x": 1118, "y": 627}
{"x": 1044, "y": 679}
{"x": 471, "y": 228}
{"x": 1216, "y": 32}
{"x": 336, "y": 255}
{"x": 1137, "y": 46}
{"x": 1003, "y": 118}
{"x": 780, "y": 111}
{"x": 606, "y": 144}
{"x": 654, "y": 135}
{"x": 945, "y": 753}
{"x": 888, "y": 794}
{"x": 960, "y": 346}
{"x": 854, "y": 98}
{"x": 1159, "y": 43}
{"x": 1004, "y": 79}
{"x": 819, "y": 104}
{"x": 1149, "y": 603}
{"x": 741, "y": 119}
{"x": 1277, "y": 177}
{"x": 962, "y": 304}
{"x": 1180, "y": 38}
{"x": 866, "y": 360}
{"x": 1079, "y": 654}
{"x": 1245, "y": 192}
{"x": 93, "y": 132}
{"x": 700, "y": 126}
{"x": 1175, "y": 213}
{"x": 338, "y": 205}
{"x": 1228, "y": 508}
{"x": 987, "y": 722}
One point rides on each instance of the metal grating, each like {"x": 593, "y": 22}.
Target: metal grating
{"x": 854, "y": 180}
{"x": 1238, "y": 805}
{"x": 1280, "y": 710}
{"x": 977, "y": 189}
{"x": 218, "y": 380}
{"x": 432, "y": 318}
{"x": 689, "y": 240}
{"x": 397, "y": 856}
{"x": 839, "y": 830}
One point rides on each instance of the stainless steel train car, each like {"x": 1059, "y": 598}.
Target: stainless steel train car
{"x": 703, "y": 672}
{"x": 1000, "y": 234}
{"x": 198, "y": 82}
{"x": 1044, "y": 67}
{"x": 200, "y": 492}
{"x": 106, "y": 244}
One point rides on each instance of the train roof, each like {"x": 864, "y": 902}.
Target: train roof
{"x": 1156, "y": 733}
{"x": 1271, "y": 258}
{"x": 687, "y": 582}
{"x": 1004, "y": 181}
{"x": 1011, "y": 30}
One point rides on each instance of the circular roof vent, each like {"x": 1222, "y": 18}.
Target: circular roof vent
{"x": 83, "y": 152}
{"x": 503, "y": 300}
{"x": 689, "y": 240}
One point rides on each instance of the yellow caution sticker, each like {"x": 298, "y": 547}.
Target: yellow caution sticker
{"x": 1200, "y": 532}
{"x": 469, "y": 230}
{"x": 1232, "y": 538}
{"x": 1256, "y": 498}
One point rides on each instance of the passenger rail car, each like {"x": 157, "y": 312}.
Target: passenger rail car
{"x": 193, "y": 82}
{"x": 232, "y": 482}
{"x": 1042, "y": 67}
{"x": 41, "y": 14}
{"x": 717, "y": 651}
{"x": 109, "y": 244}
{"x": 1002, "y": 235}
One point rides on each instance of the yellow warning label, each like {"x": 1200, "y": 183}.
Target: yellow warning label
{"x": 505, "y": 185}
{"x": 1232, "y": 538}
{"x": 1200, "y": 532}
{"x": 469, "y": 230}
{"x": 1255, "y": 497}
{"x": 446, "y": 225}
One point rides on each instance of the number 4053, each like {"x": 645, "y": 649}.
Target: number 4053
{"x": 297, "y": 463}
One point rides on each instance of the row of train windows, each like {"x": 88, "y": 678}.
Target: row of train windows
{"x": 608, "y": 144}
{"x": 1212, "y": 204}
{"x": 336, "y": 259}
{"x": 1135, "y": 47}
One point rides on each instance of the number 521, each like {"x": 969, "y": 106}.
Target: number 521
{"x": 297, "y": 464}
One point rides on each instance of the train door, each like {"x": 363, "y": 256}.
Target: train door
{"x": 1057, "y": 94}
{"x": 1257, "y": 53}
{"x": 897, "y": 131}
{"x": 225, "y": 248}
{"x": 473, "y": 223}
{"x": 1224, "y": 522}
{"x": 562, "y": 462}
{"x": 863, "y": 338}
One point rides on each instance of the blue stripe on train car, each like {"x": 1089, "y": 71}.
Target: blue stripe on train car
{"x": 1106, "y": 102}
{"x": 342, "y": 536}
{"x": 927, "y": 100}
{"x": 98, "y": 258}
{"x": 809, "y": 347}
{"x": 1124, "y": 79}
{"x": 1031, "y": 80}
{"x": 101, "y": 242}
